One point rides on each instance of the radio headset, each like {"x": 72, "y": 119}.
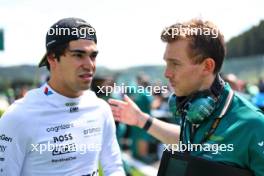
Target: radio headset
{"x": 199, "y": 106}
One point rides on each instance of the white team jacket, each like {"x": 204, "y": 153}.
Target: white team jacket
{"x": 45, "y": 133}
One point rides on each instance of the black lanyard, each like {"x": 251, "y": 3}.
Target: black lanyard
{"x": 213, "y": 126}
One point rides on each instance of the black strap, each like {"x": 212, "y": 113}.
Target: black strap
{"x": 217, "y": 86}
{"x": 148, "y": 123}
{"x": 178, "y": 164}
{"x": 214, "y": 125}
{"x": 218, "y": 119}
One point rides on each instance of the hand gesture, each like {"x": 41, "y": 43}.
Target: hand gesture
{"x": 125, "y": 111}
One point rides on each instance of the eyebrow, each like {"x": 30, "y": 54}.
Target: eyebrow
{"x": 81, "y": 51}
{"x": 172, "y": 60}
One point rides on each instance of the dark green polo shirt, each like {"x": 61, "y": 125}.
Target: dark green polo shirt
{"x": 238, "y": 139}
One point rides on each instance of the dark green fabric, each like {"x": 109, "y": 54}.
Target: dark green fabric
{"x": 242, "y": 128}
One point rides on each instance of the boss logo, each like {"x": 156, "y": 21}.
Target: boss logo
{"x": 62, "y": 138}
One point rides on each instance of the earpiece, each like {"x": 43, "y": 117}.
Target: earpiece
{"x": 199, "y": 106}
{"x": 197, "y": 109}
{"x": 200, "y": 109}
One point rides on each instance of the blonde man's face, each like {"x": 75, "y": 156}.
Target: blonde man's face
{"x": 183, "y": 74}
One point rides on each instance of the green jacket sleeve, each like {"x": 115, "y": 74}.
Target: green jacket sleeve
{"x": 256, "y": 147}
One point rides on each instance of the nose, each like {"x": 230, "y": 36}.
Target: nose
{"x": 168, "y": 73}
{"x": 89, "y": 63}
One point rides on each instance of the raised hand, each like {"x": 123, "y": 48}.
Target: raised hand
{"x": 126, "y": 111}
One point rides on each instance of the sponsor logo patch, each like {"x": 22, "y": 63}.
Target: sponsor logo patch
{"x": 62, "y": 138}
{"x": 59, "y": 127}
{"x": 47, "y": 91}
{"x": 92, "y": 131}
{"x": 3, "y": 137}
{"x": 64, "y": 149}
{"x": 63, "y": 159}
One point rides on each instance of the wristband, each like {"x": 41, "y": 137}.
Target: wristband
{"x": 148, "y": 124}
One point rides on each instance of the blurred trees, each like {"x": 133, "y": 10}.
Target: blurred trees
{"x": 248, "y": 43}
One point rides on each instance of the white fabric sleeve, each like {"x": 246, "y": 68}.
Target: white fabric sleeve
{"x": 13, "y": 143}
{"x": 110, "y": 156}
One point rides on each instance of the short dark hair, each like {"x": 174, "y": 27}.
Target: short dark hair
{"x": 208, "y": 43}
{"x": 57, "y": 51}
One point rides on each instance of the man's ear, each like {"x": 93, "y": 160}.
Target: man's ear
{"x": 209, "y": 65}
{"x": 52, "y": 60}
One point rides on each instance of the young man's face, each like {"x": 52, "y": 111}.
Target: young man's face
{"x": 76, "y": 68}
{"x": 183, "y": 74}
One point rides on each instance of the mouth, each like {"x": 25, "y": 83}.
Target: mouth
{"x": 86, "y": 76}
{"x": 171, "y": 83}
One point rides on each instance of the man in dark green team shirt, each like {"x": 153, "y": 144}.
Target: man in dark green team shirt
{"x": 216, "y": 124}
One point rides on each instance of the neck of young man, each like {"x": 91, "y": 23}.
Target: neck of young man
{"x": 207, "y": 82}
{"x": 63, "y": 91}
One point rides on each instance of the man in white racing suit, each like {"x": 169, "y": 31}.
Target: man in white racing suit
{"x": 62, "y": 128}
